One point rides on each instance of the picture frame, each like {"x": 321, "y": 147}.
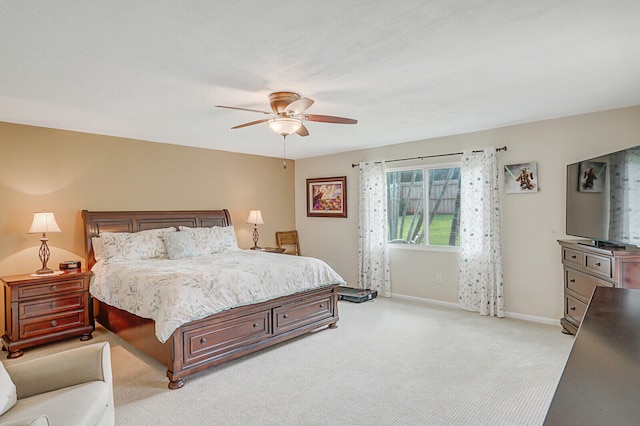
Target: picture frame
{"x": 592, "y": 176}
{"x": 521, "y": 178}
{"x": 327, "y": 197}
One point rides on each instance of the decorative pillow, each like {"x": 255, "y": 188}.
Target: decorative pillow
{"x": 180, "y": 244}
{"x": 146, "y": 244}
{"x": 98, "y": 249}
{"x": 203, "y": 239}
{"x": 8, "y": 393}
{"x": 225, "y": 239}
{"x": 115, "y": 245}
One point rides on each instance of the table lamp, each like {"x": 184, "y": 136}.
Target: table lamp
{"x": 255, "y": 217}
{"x": 44, "y": 222}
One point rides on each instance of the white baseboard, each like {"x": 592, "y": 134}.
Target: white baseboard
{"x": 515, "y": 315}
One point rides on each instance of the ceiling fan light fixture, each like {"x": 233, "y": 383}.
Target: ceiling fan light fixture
{"x": 284, "y": 126}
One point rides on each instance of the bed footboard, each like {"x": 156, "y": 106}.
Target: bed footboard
{"x": 227, "y": 335}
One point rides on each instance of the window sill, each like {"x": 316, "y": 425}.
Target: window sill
{"x": 451, "y": 249}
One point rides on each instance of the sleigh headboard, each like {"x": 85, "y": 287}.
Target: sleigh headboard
{"x": 134, "y": 221}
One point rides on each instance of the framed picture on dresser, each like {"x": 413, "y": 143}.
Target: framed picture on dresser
{"x": 327, "y": 197}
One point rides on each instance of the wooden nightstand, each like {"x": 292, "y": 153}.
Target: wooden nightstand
{"x": 272, "y": 249}
{"x": 43, "y": 309}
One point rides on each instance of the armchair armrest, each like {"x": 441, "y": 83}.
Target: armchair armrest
{"x": 63, "y": 369}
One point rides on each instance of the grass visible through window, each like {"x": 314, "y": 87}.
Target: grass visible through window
{"x": 439, "y": 230}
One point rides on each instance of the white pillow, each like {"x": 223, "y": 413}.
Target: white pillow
{"x": 203, "y": 239}
{"x": 98, "y": 249}
{"x": 179, "y": 244}
{"x": 8, "y": 393}
{"x": 225, "y": 239}
{"x": 146, "y": 244}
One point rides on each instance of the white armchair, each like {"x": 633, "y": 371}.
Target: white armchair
{"x": 74, "y": 387}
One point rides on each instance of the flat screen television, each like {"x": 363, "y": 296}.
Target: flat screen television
{"x": 603, "y": 199}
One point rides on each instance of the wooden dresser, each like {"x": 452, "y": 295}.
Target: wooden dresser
{"x": 586, "y": 267}
{"x": 43, "y": 309}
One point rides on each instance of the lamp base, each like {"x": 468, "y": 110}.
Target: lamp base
{"x": 255, "y": 238}
{"x": 44, "y": 271}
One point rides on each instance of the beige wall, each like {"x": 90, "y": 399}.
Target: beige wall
{"x": 66, "y": 172}
{"x": 531, "y": 222}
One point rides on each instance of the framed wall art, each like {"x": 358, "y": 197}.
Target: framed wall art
{"x": 327, "y": 197}
{"x": 521, "y": 178}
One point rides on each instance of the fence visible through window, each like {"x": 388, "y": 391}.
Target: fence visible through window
{"x": 406, "y": 205}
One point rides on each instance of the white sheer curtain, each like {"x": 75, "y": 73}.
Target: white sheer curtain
{"x": 373, "y": 254}
{"x": 480, "y": 287}
{"x": 624, "y": 183}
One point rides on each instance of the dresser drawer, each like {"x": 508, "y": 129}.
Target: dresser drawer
{"x": 52, "y": 305}
{"x": 598, "y": 265}
{"x": 583, "y": 284}
{"x": 574, "y": 309}
{"x": 302, "y": 312}
{"x": 51, "y": 324}
{"x": 225, "y": 337}
{"x": 50, "y": 288}
{"x": 572, "y": 257}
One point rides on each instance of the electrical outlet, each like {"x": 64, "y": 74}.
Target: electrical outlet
{"x": 438, "y": 278}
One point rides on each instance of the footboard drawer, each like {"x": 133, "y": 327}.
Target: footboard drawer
{"x": 302, "y": 312}
{"x": 225, "y": 337}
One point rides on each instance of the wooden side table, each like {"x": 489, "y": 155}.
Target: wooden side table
{"x": 43, "y": 309}
{"x": 272, "y": 249}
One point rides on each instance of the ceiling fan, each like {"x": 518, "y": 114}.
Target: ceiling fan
{"x": 288, "y": 114}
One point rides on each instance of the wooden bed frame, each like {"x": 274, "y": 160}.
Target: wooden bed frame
{"x": 218, "y": 338}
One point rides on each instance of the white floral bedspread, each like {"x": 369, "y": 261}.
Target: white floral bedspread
{"x": 174, "y": 292}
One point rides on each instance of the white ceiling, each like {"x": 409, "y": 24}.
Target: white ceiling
{"x": 406, "y": 69}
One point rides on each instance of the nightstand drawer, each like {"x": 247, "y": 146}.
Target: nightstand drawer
{"x": 51, "y": 306}
{"x": 49, "y": 288}
{"x": 52, "y": 324}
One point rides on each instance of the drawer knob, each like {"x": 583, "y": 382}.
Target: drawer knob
{"x": 54, "y": 323}
{"x": 322, "y": 305}
{"x": 255, "y": 325}
{"x": 53, "y": 304}
{"x": 597, "y": 263}
{"x": 572, "y": 280}
{"x": 203, "y": 340}
{"x": 53, "y": 288}
{"x": 573, "y": 308}
{"x": 573, "y": 256}
{"x": 285, "y": 316}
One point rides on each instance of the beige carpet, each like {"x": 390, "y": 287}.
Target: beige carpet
{"x": 389, "y": 362}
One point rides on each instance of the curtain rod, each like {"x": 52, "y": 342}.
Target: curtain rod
{"x": 504, "y": 148}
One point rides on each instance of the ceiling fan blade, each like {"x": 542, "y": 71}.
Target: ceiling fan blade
{"x": 328, "y": 119}
{"x": 239, "y": 126}
{"x": 244, "y": 109}
{"x": 299, "y": 106}
{"x": 302, "y": 131}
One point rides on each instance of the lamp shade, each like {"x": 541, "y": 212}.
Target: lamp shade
{"x": 284, "y": 126}
{"x": 255, "y": 217}
{"x": 43, "y": 222}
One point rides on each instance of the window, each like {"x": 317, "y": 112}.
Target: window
{"x": 407, "y": 202}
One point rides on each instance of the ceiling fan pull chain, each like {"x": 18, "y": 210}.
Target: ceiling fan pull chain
{"x": 284, "y": 152}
